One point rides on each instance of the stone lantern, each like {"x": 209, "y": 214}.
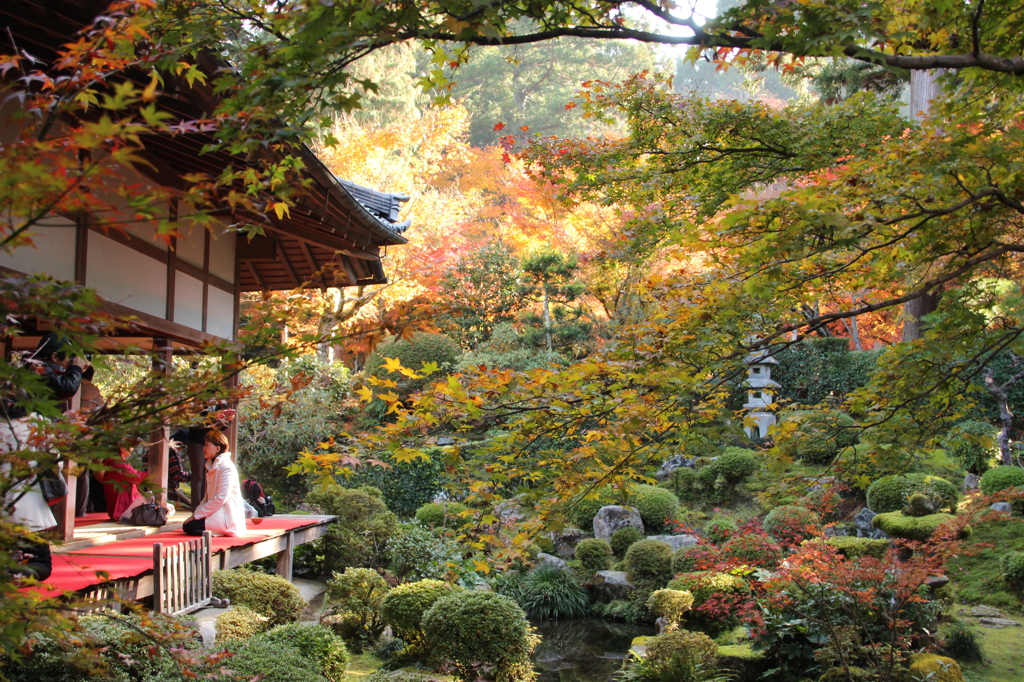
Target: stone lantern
{"x": 760, "y": 388}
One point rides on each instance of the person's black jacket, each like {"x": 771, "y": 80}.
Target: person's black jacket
{"x": 63, "y": 383}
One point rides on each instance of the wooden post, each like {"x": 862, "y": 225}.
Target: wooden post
{"x": 158, "y": 577}
{"x": 158, "y": 458}
{"x": 285, "y": 556}
{"x": 232, "y": 431}
{"x": 64, "y": 511}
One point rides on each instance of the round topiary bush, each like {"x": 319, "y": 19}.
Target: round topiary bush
{"x": 594, "y": 554}
{"x": 735, "y": 465}
{"x": 705, "y": 584}
{"x": 753, "y": 549}
{"x": 268, "y": 595}
{"x": 657, "y": 506}
{"x": 469, "y": 629}
{"x": 674, "y": 655}
{"x": 820, "y": 436}
{"x": 624, "y": 538}
{"x": 412, "y": 353}
{"x": 440, "y": 514}
{"x": 1012, "y": 565}
{"x": 1001, "y": 478}
{"x": 892, "y": 493}
{"x": 357, "y": 595}
{"x": 790, "y": 525}
{"x": 720, "y": 529}
{"x": 695, "y": 558}
{"x": 973, "y": 444}
{"x": 239, "y": 623}
{"x": 315, "y": 643}
{"x": 361, "y": 533}
{"x": 670, "y": 604}
{"x": 649, "y": 561}
{"x": 403, "y": 607}
{"x": 552, "y": 592}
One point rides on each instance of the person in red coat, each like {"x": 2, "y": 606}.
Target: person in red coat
{"x": 120, "y": 487}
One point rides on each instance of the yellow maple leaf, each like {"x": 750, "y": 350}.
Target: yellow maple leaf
{"x": 365, "y": 394}
{"x": 481, "y": 566}
{"x": 392, "y": 365}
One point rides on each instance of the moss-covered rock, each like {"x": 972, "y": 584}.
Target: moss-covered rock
{"x": 899, "y": 525}
{"x": 855, "y": 548}
{"x": 742, "y": 660}
{"x": 934, "y": 668}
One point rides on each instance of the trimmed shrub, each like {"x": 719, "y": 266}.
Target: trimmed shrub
{"x": 753, "y": 549}
{"x": 695, "y": 558}
{"x": 670, "y": 604}
{"x": 318, "y": 645}
{"x": 412, "y": 353}
{"x": 268, "y": 595}
{"x": 1012, "y": 565}
{"x": 360, "y": 536}
{"x": 815, "y": 370}
{"x": 820, "y": 436}
{"x": 1001, "y": 478}
{"x": 963, "y": 643}
{"x": 973, "y": 444}
{"x": 899, "y": 525}
{"x": 649, "y": 561}
{"x": 657, "y": 506}
{"x": 239, "y": 624}
{"x": 735, "y": 465}
{"x": 624, "y": 538}
{"x": 418, "y": 553}
{"x": 469, "y": 629}
{"x": 705, "y": 584}
{"x": 404, "y": 486}
{"x": 855, "y": 548}
{"x": 584, "y": 511}
{"x": 934, "y": 668}
{"x": 721, "y": 529}
{"x": 404, "y": 606}
{"x": 357, "y": 595}
{"x": 677, "y": 655}
{"x": 790, "y": 525}
{"x": 552, "y": 592}
{"x": 440, "y": 514}
{"x": 272, "y": 662}
{"x": 893, "y": 493}
{"x": 595, "y": 554}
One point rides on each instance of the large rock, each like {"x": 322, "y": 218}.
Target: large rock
{"x": 565, "y": 541}
{"x": 611, "y": 585}
{"x": 1002, "y": 507}
{"x": 971, "y": 482}
{"x": 543, "y": 558}
{"x": 613, "y": 517}
{"x": 676, "y": 542}
{"x": 865, "y": 529}
{"x": 673, "y": 463}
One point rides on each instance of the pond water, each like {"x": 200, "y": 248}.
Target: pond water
{"x": 583, "y": 650}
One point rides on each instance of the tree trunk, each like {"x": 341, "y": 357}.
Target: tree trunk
{"x": 547, "y": 319}
{"x": 1005, "y": 416}
{"x": 913, "y": 311}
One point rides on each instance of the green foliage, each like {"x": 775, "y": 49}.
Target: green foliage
{"x": 819, "y": 436}
{"x": 681, "y": 655}
{"x": 657, "y": 506}
{"x": 649, "y": 561}
{"x": 715, "y": 481}
{"x": 595, "y": 554}
{"x": 892, "y": 493}
{"x": 854, "y": 548}
{"x": 791, "y": 524}
{"x": 695, "y": 558}
{"x": 753, "y": 549}
{"x": 440, "y": 514}
{"x": 670, "y": 604}
{"x": 899, "y": 525}
{"x": 624, "y": 538}
{"x": 316, "y": 644}
{"x": 480, "y": 292}
{"x": 357, "y": 595}
{"x": 276, "y": 661}
{"x": 620, "y": 609}
{"x": 735, "y": 465}
{"x": 704, "y": 585}
{"x": 934, "y": 667}
{"x": 405, "y": 486}
{"x": 817, "y": 369}
{"x": 1012, "y": 565}
{"x": 552, "y": 592}
{"x": 270, "y": 437}
{"x": 417, "y": 553}
{"x": 1001, "y": 478}
{"x": 584, "y": 511}
{"x": 240, "y": 623}
{"x": 720, "y": 529}
{"x": 422, "y": 348}
{"x": 404, "y": 606}
{"x": 469, "y": 628}
{"x": 962, "y": 643}
{"x": 360, "y": 535}
{"x": 268, "y": 595}
{"x": 973, "y": 445}
{"x": 976, "y": 571}
{"x": 508, "y": 348}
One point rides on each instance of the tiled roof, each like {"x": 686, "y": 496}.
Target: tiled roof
{"x": 383, "y": 205}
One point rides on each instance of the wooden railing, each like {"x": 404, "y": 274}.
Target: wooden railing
{"x": 182, "y": 575}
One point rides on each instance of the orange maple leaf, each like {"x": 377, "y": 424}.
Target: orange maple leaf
{"x": 499, "y": 126}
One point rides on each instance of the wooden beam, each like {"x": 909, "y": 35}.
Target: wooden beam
{"x": 283, "y": 257}
{"x": 313, "y": 265}
{"x": 256, "y": 275}
{"x": 326, "y": 240}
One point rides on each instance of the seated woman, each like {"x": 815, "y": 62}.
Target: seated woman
{"x": 222, "y": 511}
{"x": 120, "y": 485}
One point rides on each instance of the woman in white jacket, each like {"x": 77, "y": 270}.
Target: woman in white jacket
{"x": 222, "y": 511}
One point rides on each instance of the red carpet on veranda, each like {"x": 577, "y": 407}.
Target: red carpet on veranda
{"x": 132, "y": 558}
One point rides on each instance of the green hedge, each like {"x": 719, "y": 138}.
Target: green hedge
{"x": 1001, "y": 478}
{"x": 268, "y": 595}
{"x": 814, "y": 370}
{"x": 892, "y": 493}
{"x": 406, "y": 486}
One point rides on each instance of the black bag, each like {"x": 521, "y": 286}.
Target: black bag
{"x": 148, "y": 515}
{"x": 52, "y": 485}
{"x": 253, "y": 491}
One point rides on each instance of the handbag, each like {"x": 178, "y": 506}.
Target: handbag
{"x": 149, "y": 515}
{"x": 52, "y": 485}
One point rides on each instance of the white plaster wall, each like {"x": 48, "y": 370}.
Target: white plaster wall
{"x": 124, "y": 276}
{"x": 188, "y": 300}
{"x": 222, "y": 255}
{"x": 220, "y": 313}
{"x": 190, "y": 244}
{"x": 52, "y": 252}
